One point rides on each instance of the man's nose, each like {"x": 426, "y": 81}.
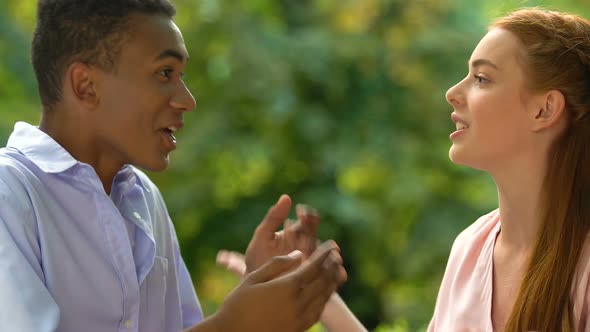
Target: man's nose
{"x": 183, "y": 99}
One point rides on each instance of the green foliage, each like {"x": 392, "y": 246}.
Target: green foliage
{"x": 339, "y": 103}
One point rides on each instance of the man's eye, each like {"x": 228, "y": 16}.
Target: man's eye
{"x": 166, "y": 72}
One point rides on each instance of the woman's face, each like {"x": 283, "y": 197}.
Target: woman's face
{"x": 492, "y": 109}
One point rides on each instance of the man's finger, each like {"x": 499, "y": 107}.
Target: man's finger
{"x": 274, "y": 218}
{"x": 294, "y": 237}
{"x": 309, "y": 218}
{"x": 314, "y": 295}
{"x": 289, "y": 223}
{"x": 275, "y": 267}
{"x": 315, "y": 265}
{"x": 315, "y": 308}
{"x": 327, "y": 282}
{"x": 290, "y": 237}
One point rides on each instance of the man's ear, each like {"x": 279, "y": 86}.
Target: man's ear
{"x": 82, "y": 84}
{"x": 549, "y": 110}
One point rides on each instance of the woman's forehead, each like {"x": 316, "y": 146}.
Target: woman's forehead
{"x": 500, "y": 47}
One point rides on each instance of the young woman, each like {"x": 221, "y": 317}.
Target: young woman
{"x": 522, "y": 116}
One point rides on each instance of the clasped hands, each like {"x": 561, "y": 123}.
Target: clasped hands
{"x": 286, "y": 277}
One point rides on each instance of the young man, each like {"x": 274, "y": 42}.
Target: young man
{"x": 86, "y": 243}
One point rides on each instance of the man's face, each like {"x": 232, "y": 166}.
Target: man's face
{"x": 143, "y": 100}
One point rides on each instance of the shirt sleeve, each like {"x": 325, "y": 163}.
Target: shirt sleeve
{"x": 191, "y": 309}
{"x": 25, "y": 305}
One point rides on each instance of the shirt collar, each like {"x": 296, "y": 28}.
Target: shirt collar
{"x": 123, "y": 182}
{"x": 40, "y": 148}
{"x": 51, "y": 157}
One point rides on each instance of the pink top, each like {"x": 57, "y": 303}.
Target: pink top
{"x": 464, "y": 302}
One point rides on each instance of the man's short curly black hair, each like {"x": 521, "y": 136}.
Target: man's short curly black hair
{"x": 88, "y": 31}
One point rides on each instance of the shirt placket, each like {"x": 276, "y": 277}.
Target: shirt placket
{"x": 122, "y": 260}
{"x": 133, "y": 207}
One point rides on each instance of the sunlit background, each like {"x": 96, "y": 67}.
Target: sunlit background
{"x": 339, "y": 103}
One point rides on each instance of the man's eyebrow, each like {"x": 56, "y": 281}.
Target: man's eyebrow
{"x": 170, "y": 53}
{"x": 482, "y": 62}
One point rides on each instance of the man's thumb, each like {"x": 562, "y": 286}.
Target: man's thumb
{"x": 277, "y": 266}
{"x": 274, "y": 218}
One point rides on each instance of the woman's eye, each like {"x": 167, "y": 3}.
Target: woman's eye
{"x": 481, "y": 79}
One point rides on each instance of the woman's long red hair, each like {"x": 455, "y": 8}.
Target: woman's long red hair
{"x": 557, "y": 56}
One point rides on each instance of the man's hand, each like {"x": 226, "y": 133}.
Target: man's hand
{"x": 336, "y": 316}
{"x": 286, "y": 294}
{"x": 267, "y": 242}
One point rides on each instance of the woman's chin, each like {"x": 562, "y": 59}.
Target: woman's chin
{"x": 458, "y": 157}
{"x": 455, "y": 154}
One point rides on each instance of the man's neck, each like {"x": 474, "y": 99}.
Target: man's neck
{"x": 77, "y": 138}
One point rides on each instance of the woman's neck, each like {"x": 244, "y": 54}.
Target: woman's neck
{"x": 520, "y": 202}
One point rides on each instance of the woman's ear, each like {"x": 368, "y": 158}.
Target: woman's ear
{"x": 550, "y": 109}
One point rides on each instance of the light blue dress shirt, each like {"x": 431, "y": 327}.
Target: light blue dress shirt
{"x": 73, "y": 259}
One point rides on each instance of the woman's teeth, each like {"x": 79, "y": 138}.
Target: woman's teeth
{"x": 461, "y": 126}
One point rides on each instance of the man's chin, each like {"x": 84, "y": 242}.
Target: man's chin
{"x": 155, "y": 165}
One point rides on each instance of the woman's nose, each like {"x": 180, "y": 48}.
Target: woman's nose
{"x": 454, "y": 95}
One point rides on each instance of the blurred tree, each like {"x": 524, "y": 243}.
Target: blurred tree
{"x": 339, "y": 103}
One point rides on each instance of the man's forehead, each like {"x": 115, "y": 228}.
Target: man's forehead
{"x": 180, "y": 55}
{"x": 157, "y": 37}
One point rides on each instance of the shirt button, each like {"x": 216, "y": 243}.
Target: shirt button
{"x": 137, "y": 215}
{"x": 128, "y": 324}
